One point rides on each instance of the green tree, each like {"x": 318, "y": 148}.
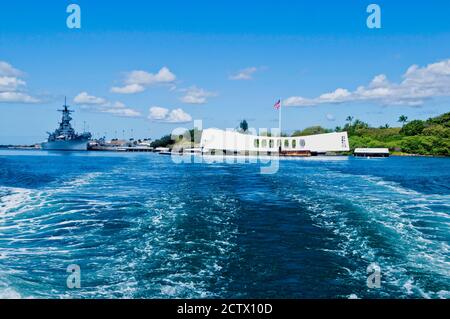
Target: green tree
{"x": 349, "y": 119}
{"x": 355, "y": 127}
{"x": 443, "y": 119}
{"x": 358, "y": 124}
{"x": 243, "y": 126}
{"x": 437, "y": 130}
{"x": 312, "y": 130}
{"x": 403, "y": 119}
{"x": 426, "y": 145}
{"x": 415, "y": 127}
{"x": 163, "y": 141}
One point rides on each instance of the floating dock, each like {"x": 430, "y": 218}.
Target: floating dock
{"x": 371, "y": 152}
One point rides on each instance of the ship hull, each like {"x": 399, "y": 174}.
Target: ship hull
{"x": 65, "y": 146}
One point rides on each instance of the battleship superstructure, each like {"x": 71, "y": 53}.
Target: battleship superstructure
{"x": 64, "y": 138}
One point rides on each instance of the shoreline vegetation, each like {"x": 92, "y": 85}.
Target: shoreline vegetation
{"x": 414, "y": 138}
{"x": 430, "y": 137}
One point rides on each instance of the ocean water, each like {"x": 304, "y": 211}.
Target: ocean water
{"x": 140, "y": 226}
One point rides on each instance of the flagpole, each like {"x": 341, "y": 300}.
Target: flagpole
{"x": 279, "y": 118}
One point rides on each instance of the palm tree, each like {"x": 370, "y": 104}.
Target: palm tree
{"x": 403, "y": 119}
{"x": 244, "y": 126}
{"x": 349, "y": 119}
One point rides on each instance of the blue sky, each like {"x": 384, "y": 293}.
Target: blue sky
{"x": 219, "y": 61}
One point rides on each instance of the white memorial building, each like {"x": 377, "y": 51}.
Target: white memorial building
{"x": 216, "y": 140}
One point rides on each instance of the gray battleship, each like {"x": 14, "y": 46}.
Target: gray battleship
{"x": 65, "y": 138}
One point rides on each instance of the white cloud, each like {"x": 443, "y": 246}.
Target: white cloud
{"x": 337, "y": 95}
{"x": 116, "y": 105}
{"x": 164, "y": 115}
{"x": 418, "y": 85}
{"x": 297, "y": 101}
{"x": 12, "y": 87}
{"x": 137, "y": 81}
{"x": 17, "y": 97}
{"x": 178, "y": 116}
{"x": 8, "y": 70}
{"x": 195, "y": 95}
{"x": 121, "y": 112}
{"x": 85, "y": 98}
{"x": 142, "y": 77}
{"x": 245, "y": 74}
{"x": 128, "y": 89}
{"x": 158, "y": 113}
{"x": 102, "y": 105}
{"x": 8, "y": 83}
{"x": 330, "y": 117}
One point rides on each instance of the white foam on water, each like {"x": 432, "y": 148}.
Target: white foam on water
{"x": 80, "y": 181}
{"x": 413, "y": 289}
{"x": 25, "y": 213}
{"x": 386, "y": 207}
{"x": 443, "y": 294}
{"x": 14, "y": 199}
{"x": 169, "y": 290}
{"x": 19, "y": 200}
{"x": 176, "y": 276}
{"x": 9, "y": 293}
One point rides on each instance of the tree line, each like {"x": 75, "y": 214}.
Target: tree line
{"x": 429, "y": 137}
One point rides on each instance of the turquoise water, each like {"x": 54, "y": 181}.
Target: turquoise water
{"x": 140, "y": 226}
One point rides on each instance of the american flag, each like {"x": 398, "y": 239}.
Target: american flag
{"x": 277, "y": 105}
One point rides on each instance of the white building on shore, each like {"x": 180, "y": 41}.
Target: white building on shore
{"x": 215, "y": 140}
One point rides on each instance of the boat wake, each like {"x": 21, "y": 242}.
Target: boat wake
{"x": 382, "y": 222}
{"x": 150, "y": 229}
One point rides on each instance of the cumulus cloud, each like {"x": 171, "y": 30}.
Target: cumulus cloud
{"x": 244, "y": 74}
{"x": 102, "y": 105}
{"x": 128, "y": 89}
{"x": 12, "y": 86}
{"x": 158, "y": 113}
{"x": 17, "y": 97}
{"x": 137, "y": 81}
{"x": 330, "y": 117}
{"x": 121, "y": 112}
{"x": 8, "y": 83}
{"x": 195, "y": 95}
{"x": 8, "y": 70}
{"x": 164, "y": 115}
{"x": 85, "y": 98}
{"x": 418, "y": 84}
